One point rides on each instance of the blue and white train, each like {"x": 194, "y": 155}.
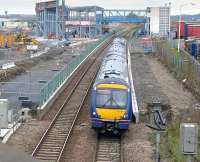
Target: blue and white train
{"x": 111, "y": 99}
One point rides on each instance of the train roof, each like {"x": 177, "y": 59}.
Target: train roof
{"x": 114, "y": 64}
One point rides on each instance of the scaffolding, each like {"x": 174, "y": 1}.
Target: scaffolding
{"x": 82, "y": 21}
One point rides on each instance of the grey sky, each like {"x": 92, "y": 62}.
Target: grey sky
{"x": 27, "y": 6}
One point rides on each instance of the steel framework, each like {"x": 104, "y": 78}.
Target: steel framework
{"x": 82, "y": 20}
{"x": 58, "y": 21}
{"x": 51, "y": 18}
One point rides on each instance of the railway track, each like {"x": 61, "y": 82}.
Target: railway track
{"x": 108, "y": 149}
{"x": 52, "y": 144}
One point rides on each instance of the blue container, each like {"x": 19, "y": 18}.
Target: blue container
{"x": 193, "y": 50}
{"x": 185, "y": 31}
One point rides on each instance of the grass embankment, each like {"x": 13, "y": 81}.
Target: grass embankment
{"x": 182, "y": 65}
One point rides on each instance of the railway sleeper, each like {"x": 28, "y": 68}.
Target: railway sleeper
{"x": 52, "y": 143}
{"x": 57, "y": 136}
{"x": 59, "y": 130}
{"x": 56, "y": 140}
{"x": 45, "y": 152}
{"x": 47, "y": 158}
{"x": 60, "y": 127}
{"x": 57, "y": 133}
{"x": 47, "y": 147}
{"x": 66, "y": 116}
{"x": 49, "y": 155}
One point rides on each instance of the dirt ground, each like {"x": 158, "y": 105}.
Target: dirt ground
{"x": 179, "y": 97}
{"x": 27, "y": 136}
{"x": 82, "y": 145}
{"x": 136, "y": 145}
{"x": 26, "y": 63}
{"x": 152, "y": 81}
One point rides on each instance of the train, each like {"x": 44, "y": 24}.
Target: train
{"x": 111, "y": 100}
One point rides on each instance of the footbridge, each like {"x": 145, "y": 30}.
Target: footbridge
{"x": 107, "y": 16}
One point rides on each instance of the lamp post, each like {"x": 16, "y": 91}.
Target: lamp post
{"x": 179, "y": 24}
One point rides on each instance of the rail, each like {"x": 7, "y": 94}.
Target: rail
{"x": 108, "y": 149}
{"x": 64, "y": 115}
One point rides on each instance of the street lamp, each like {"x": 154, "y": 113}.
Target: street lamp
{"x": 179, "y": 26}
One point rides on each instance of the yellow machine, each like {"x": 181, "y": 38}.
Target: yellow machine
{"x": 6, "y": 40}
{"x": 34, "y": 41}
{"x": 2, "y": 41}
{"x": 23, "y": 39}
{"x": 10, "y": 40}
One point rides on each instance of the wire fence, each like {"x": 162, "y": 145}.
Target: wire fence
{"x": 182, "y": 64}
{"x": 49, "y": 88}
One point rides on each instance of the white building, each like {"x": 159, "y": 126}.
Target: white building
{"x": 160, "y": 21}
{"x": 13, "y": 23}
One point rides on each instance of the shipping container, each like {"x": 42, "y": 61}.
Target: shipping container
{"x": 193, "y": 49}
{"x": 188, "y": 30}
{"x": 182, "y": 29}
{"x": 194, "y": 31}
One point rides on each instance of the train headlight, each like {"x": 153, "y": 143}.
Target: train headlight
{"x": 95, "y": 115}
{"x": 126, "y": 116}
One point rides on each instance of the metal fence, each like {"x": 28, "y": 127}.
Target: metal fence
{"x": 183, "y": 65}
{"x": 49, "y": 88}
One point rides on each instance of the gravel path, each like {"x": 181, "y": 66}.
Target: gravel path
{"x": 136, "y": 145}
{"x": 179, "y": 97}
{"x": 146, "y": 84}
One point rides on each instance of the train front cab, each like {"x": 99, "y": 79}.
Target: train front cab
{"x": 111, "y": 107}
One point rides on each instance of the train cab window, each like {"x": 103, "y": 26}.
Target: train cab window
{"x": 110, "y": 98}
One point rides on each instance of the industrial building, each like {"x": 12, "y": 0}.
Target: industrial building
{"x": 10, "y": 23}
{"x": 160, "y": 21}
{"x": 55, "y": 20}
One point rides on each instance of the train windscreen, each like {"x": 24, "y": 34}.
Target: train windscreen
{"x": 109, "y": 98}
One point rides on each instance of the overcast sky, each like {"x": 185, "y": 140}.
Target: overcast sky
{"x": 28, "y": 6}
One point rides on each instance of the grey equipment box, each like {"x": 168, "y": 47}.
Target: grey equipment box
{"x": 189, "y": 138}
{"x": 3, "y": 113}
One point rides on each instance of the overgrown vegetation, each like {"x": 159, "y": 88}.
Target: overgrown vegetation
{"x": 170, "y": 145}
{"x": 184, "y": 67}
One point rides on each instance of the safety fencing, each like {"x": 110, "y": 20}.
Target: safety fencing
{"x": 49, "y": 88}
{"x": 183, "y": 65}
